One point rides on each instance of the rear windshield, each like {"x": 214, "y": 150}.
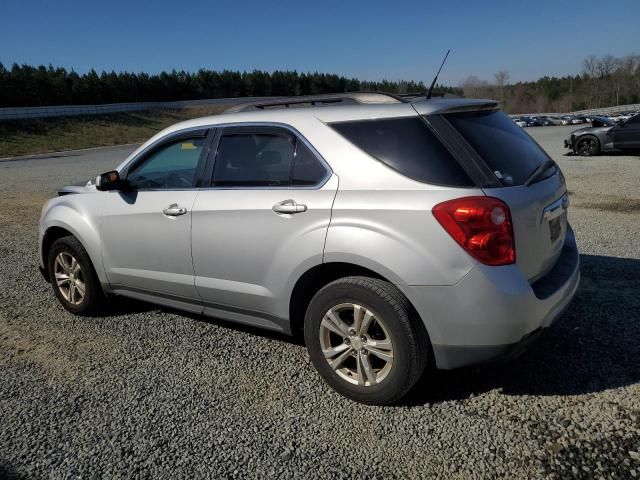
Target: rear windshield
{"x": 508, "y": 151}
{"x": 408, "y": 146}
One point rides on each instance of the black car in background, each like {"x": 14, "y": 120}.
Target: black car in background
{"x": 605, "y": 135}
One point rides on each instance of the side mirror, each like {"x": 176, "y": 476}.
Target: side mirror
{"x": 108, "y": 181}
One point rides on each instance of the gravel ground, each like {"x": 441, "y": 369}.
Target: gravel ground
{"x": 150, "y": 393}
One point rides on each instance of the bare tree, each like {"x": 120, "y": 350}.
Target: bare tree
{"x": 472, "y": 86}
{"x": 590, "y": 65}
{"x": 502, "y": 77}
{"x": 606, "y": 65}
{"x": 631, "y": 64}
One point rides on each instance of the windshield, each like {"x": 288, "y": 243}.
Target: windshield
{"x": 508, "y": 151}
{"x": 601, "y": 121}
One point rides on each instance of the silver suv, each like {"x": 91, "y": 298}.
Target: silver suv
{"x": 395, "y": 233}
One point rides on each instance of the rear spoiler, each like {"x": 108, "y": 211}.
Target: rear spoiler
{"x": 458, "y": 105}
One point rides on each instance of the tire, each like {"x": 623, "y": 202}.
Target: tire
{"x": 69, "y": 267}
{"x": 587, "y": 146}
{"x": 380, "y": 363}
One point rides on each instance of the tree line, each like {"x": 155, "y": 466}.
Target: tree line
{"x": 25, "y": 85}
{"x": 605, "y": 81}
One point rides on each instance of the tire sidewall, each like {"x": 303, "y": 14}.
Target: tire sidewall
{"x": 594, "y": 150}
{"x": 399, "y": 374}
{"x": 72, "y": 246}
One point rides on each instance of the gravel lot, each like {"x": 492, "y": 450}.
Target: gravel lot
{"x": 151, "y": 393}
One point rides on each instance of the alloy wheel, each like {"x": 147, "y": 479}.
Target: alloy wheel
{"x": 586, "y": 146}
{"x": 356, "y": 344}
{"x": 69, "y": 278}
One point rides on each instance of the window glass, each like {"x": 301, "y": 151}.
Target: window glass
{"x": 504, "y": 146}
{"x": 253, "y": 159}
{"x": 173, "y": 166}
{"x": 307, "y": 169}
{"x": 408, "y": 146}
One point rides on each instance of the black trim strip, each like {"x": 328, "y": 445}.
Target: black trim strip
{"x": 467, "y": 157}
{"x": 202, "y": 304}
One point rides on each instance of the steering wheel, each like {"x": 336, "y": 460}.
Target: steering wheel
{"x": 175, "y": 180}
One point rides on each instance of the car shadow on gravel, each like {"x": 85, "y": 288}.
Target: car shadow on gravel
{"x": 626, "y": 153}
{"x": 7, "y": 472}
{"x": 594, "y": 346}
{"x": 123, "y": 306}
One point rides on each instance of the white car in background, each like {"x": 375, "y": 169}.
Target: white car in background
{"x": 520, "y": 122}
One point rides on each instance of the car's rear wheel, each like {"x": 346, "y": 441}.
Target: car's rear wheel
{"x": 73, "y": 277}
{"x": 587, "y": 146}
{"x": 365, "y": 340}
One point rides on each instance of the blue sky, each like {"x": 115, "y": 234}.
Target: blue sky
{"x": 369, "y": 40}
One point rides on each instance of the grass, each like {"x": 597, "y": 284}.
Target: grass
{"x": 43, "y": 135}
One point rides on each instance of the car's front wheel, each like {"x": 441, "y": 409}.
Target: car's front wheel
{"x": 365, "y": 340}
{"x": 73, "y": 278}
{"x": 587, "y": 146}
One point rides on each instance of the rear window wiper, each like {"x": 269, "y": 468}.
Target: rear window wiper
{"x": 543, "y": 167}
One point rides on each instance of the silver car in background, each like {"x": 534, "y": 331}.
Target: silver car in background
{"x": 397, "y": 234}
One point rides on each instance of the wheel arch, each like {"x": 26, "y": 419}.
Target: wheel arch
{"x": 316, "y": 277}
{"x": 55, "y": 228}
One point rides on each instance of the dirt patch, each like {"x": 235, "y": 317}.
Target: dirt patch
{"x": 624, "y": 205}
{"x": 23, "y": 209}
{"x": 59, "y": 352}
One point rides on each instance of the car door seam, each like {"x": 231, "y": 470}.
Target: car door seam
{"x": 326, "y": 233}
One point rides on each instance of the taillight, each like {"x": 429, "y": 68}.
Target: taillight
{"x": 482, "y": 226}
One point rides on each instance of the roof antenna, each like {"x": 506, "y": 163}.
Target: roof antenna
{"x": 433, "y": 84}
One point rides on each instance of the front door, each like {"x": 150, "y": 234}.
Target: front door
{"x": 146, "y": 227}
{"x": 261, "y": 224}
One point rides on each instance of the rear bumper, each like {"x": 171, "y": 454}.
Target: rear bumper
{"x": 494, "y": 311}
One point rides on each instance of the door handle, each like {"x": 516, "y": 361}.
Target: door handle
{"x": 289, "y": 206}
{"x": 174, "y": 210}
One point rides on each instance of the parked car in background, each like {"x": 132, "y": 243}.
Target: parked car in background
{"x": 605, "y": 135}
{"x": 534, "y": 122}
{"x": 549, "y": 121}
{"x": 365, "y": 223}
{"x": 520, "y": 122}
{"x": 570, "y": 120}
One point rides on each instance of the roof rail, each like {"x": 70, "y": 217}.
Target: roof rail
{"x": 352, "y": 98}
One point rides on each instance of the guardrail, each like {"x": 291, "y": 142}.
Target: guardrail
{"x": 635, "y": 107}
{"x": 14, "y": 113}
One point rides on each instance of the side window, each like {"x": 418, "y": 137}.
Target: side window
{"x": 307, "y": 169}
{"x": 253, "y": 160}
{"x": 408, "y": 146}
{"x": 172, "y": 166}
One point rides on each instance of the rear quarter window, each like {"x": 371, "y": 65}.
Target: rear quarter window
{"x": 506, "y": 149}
{"x": 408, "y": 146}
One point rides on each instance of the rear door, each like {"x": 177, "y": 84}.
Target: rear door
{"x": 539, "y": 210}
{"x": 263, "y": 219}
